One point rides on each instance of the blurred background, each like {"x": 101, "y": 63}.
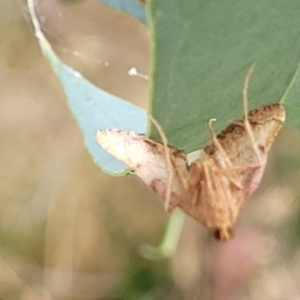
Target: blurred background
{"x": 68, "y": 231}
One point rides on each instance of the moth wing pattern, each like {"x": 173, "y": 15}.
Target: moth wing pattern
{"x": 148, "y": 160}
{"x": 265, "y": 122}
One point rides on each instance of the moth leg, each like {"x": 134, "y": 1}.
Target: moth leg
{"x": 216, "y": 142}
{"x": 218, "y": 188}
{"x": 196, "y": 178}
{"x": 246, "y": 120}
{"x": 208, "y": 191}
{"x": 170, "y": 164}
{"x": 168, "y": 159}
{"x": 217, "y": 194}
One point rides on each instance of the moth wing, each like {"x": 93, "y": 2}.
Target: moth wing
{"x": 149, "y": 161}
{"x": 265, "y": 123}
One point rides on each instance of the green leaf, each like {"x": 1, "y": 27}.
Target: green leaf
{"x": 95, "y": 109}
{"x": 92, "y": 107}
{"x": 131, "y": 7}
{"x": 202, "y": 51}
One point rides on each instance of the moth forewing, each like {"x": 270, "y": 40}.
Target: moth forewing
{"x": 266, "y": 121}
{"x": 235, "y": 139}
{"x": 148, "y": 160}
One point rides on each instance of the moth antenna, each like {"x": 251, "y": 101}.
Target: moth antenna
{"x": 245, "y": 90}
{"x": 246, "y": 120}
{"x": 168, "y": 158}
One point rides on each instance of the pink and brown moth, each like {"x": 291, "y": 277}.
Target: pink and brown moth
{"x": 214, "y": 188}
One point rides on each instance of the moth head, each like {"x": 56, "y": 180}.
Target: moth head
{"x": 223, "y": 233}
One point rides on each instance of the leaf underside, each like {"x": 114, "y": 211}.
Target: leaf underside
{"x": 131, "y": 7}
{"x": 202, "y": 51}
{"x": 92, "y": 107}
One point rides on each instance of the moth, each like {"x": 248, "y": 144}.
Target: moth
{"x": 214, "y": 188}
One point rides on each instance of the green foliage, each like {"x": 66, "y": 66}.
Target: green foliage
{"x": 145, "y": 277}
{"x": 92, "y": 107}
{"x": 96, "y": 109}
{"x": 202, "y": 51}
{"x": 131, "y": 7}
